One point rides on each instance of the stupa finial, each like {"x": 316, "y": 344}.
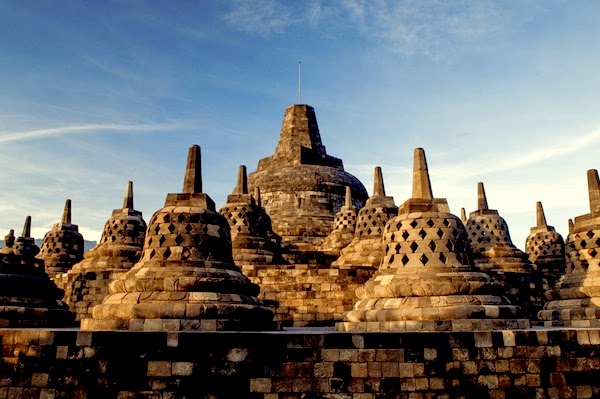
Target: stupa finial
{"x": 27, "y": 228}
{"x": 192, "y": 182}
{"x": 128, "y": 199}
{"x": 594, "y": 190}
{"x": 257, "y": 196}
{"x": 482, "y": 204}
{"x": 348, "y": 202}
{"x": 421, "y": 183}
{"x": 66, "y": 218}
{"x": 242, "y": 181}
{"x": 463, "y": 215}
{"x": 378, "y": 186}
{"x": 540, "y": 216}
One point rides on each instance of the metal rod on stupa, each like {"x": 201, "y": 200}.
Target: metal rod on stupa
{"x": 421, "y": 184}
{"x": 378, "y": 186}
{"x": 482, "y": 204}
{"x": 192, "y": 182}
{"x": 594, "y": 190}
{"x": 348, "y": 202}
{"x": 540, "y": 216}
{"x": 66, "y": 218}
{"x": 128, "y": 199}
{"x": 27, "y": 228}
{"x": 242, "y": 181}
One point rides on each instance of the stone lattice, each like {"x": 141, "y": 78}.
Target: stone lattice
{"x": 62, "y": 246}
{"x": 302, "y": 186}
{"x": 426, "y": 281}
{"x": 120, "y": 247}
{"x": 344, "y": 226}
{"x": 366, "y": 248}
{"x": 253, "y": 240}
{"x": 186, "y": 278}
{"x": 575, "y": 300}
{"x": 546, "y": 248}
{"x": 494, "y": 252}
{"x": 28, "y": 297}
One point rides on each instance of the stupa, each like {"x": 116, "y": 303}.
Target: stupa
{"x": 303, "y": 187}
{"x": 186, "y": 279}
{"x": 575, "y": 300}
{"x": 62, "y": 246}
{"x": 546, "y": 248}
{"x": 120, "y": 247}
{"x": 344, "y": 226}
{"x": 252, "y": 238}
{"x": 494, "y": 252}
{"x": 366, "y": 248}
{"x": 426, "y": 281}
{"x": 28, "y": 297}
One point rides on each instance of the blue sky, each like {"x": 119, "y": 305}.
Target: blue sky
{"x": 93, "y": 94}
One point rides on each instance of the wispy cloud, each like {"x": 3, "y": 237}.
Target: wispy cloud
{"x": 90, "y": 128}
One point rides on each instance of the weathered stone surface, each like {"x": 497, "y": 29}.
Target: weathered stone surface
{"x": 575, "y": 300}
{"x": 494, "y": 252}
{"x": 28, "y": 298}
{"x": 366, "y": 248}
{"x": 253, "y": 239}
{"x": 186, "y": 278}
{"x": 546, "y": 248}
{"x": 62, "y": 246}
{"x": 302, "y": 187}
{"x": 120, "y": 247}
{"x": 344, "y": 226}
{"x": 426, "y": 281}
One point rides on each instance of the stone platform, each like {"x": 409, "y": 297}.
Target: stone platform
{"x": 309, "y": 364}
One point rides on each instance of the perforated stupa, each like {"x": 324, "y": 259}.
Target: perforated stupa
{"x": 344, "y": 226}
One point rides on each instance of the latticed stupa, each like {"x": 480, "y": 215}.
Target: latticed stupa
{"x": 302, "y": 186}
{"x": 546, "y": 248}
{"x": 186, "y": 278}
{"x": 575, "y": 301}
{"x": 120, "y": 247}
{"x": 366, "y": 248}
{"x": 426, "y": 281}
{"x": 62, "y": 246}
{"x": 253, "y": 240}
{"x": 494, "y": 252}
{"x": 28, "y": 297}
{"x": 344, "y": 226}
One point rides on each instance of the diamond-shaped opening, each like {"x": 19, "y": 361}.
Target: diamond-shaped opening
{"x": 404, "y": 260}
{"x": 593, "y": 253}
{"x": 443, "y": 257}
{"x": 156, "y": 229}
{"x": 397, "y": 248}
{"x": 178, "y": 239}
{"x": 598, "y": 242}
{"x": 171, "y": 227}
{"x": 450, "y": 246}
{"x": 414, "y": 246}
{"x": 446, "y": 222}
{"x": 430, "y": 223}
{"x": 181, "y": 217}
{"x": 167, "y": 253}
{"x": 413, "y": 224}
{"x": 440, "y": 233}
{"x": 405, "y": 234}
{"x": 583, "y": 244}
{"x": 152, "y": 253}
{"x": 478, "y": 227}
{"x": 590, "y": 234}
{"x": 393, "y": 237}
{"x": 422, "y": 233}
{"x": 162, "y": 240}
{"x": 189, "y": 228}
{"x": 369, "y": 231}
{"x": 432, "y": 245}
{"x": 392, "y": 259}
{"x": 424, "y": 259}
{"x": 167, "y": 218}
{"x": 454, "y": 233}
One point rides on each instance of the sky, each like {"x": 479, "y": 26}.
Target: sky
{"x": 96, "y": 93}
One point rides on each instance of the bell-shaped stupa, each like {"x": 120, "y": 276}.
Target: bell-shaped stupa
{"x": 302, "y": 186}
{"x": 426, "y": 281}
{"x": 28, "y": 297}
{"x": 252, "y": 238}
{"x": 344, "y": 226}
{"x": 62, "y": 246}
{"x": 494, "y": 252}
{"x": 575, "y": 300}
{"x": 120, "y": 247}
{"x": 186, "y": 279}
{"x": 366, "y": 248}
{"x": 546, "y": 248}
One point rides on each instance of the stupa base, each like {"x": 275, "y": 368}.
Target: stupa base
{"x": 434, "y": 325}
{"x": 22, "y": 316}
{"x": 178, "y": 325}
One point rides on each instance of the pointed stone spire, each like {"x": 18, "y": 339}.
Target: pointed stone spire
{"x": 192, "y": 182}
{"x": 257, "y": 196}
{"x": 594, "y": 190}
{"x": 482, "y": 204}
{"x": 571, "y": 226}
{"x": 378, "y": 186}
{"x": 348, "y": 200}
{"x": 421, "y": 183}
{"x": 128, "y": 199}
{"x": 27, "y": 228}
{"x": 242, "y": 181}
{"x": 540, "y": 216}
{"x": 463, "y": 215}
{"x": 66, "y": 218}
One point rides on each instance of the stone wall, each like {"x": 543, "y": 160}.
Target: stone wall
{"x": 46, "y": 364}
